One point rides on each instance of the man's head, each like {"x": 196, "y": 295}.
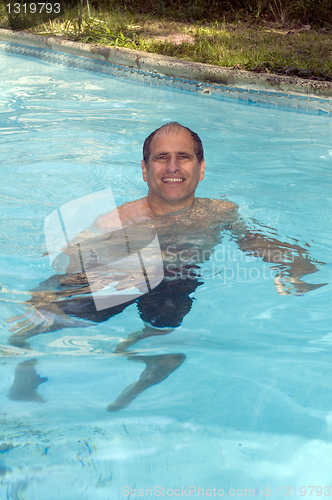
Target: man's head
{"x": 173, "y": 165}
{"x": 171, "y": 127}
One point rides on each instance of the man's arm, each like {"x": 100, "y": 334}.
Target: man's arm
{"x": 291, "y": 260}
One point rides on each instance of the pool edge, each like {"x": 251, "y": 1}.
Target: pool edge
{"x": 173, "y": 67}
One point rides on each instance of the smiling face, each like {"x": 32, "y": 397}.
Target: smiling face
{"x": 173, "y": 171}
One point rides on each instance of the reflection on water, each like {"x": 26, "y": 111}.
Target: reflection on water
{"x": 26, "y": 382}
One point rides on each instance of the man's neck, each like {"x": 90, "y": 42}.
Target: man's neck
{"x": 162, "y": 207}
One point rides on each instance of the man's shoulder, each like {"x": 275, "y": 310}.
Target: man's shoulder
{"x": 134, "y": 211}
{"x": 127, "y": 214}
{"x": 218, "y": 205}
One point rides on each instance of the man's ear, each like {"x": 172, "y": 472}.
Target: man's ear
{"x": 202, "y": 170}
{"x": 144, "y": 170}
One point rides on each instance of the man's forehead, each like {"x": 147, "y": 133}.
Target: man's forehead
{"x": 164, "y": 136}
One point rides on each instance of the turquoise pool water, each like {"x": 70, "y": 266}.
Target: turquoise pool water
{"x": 250, "y": 409}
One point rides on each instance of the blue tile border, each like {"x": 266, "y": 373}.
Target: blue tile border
{"x": 312, "y": 104}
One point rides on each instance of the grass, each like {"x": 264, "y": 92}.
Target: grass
{"x": 255, "y": 45}
{"x": 254, "y": 48}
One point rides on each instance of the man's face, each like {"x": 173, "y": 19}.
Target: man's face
{"x": 173, "y": 171}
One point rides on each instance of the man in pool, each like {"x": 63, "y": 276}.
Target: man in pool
{"x": 188, "y": 229}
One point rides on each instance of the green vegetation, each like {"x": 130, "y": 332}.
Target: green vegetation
{"x": 256, "y": 49}
{"x": 318, "y": 12}
{"x": 280, "y": 36}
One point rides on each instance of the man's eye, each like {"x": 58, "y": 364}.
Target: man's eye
{"x": 184, "y": 157}
{"x": 161, "y": 158}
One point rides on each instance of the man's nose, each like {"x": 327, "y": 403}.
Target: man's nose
{"x": 173, "y": 165}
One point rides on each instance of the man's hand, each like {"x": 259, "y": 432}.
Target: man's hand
{"x": 27, "y": 325}
{"x": 40, "y": 320}
{"x": 291, "y": 260}
{"x": 293, "y": 285}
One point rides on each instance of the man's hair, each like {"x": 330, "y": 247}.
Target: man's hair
{"x": 168, "y": 127}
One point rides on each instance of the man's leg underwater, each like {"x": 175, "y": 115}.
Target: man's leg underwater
{"x": 53, "y": 307}
{"x": 162, "y": 310}
{"x": 156, "y": 370}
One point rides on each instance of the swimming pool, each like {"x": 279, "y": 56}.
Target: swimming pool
{"x": 250, "y": 409}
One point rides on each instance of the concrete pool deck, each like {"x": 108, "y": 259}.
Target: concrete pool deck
{"x": 173, "y": 67}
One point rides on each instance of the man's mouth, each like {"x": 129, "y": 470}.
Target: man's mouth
{"x": 173, "y": 179}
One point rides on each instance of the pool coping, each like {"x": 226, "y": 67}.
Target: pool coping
{"x": 172, "y": 67}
